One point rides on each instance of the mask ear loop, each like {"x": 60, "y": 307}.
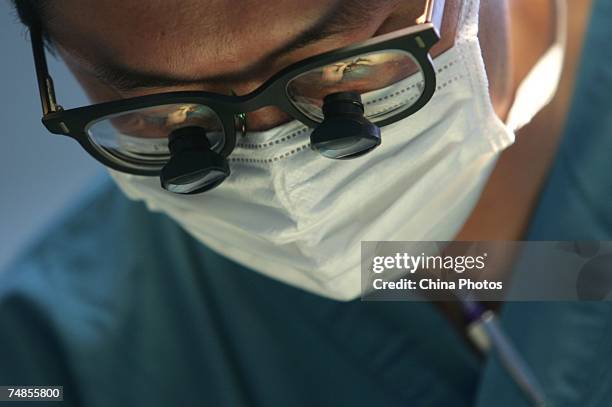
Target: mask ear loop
{"x": 540, "y": 85}
{"x": 561, "y": 24}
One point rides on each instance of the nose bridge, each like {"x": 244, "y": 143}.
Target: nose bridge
{"x": 258, "y": 94}
{"x": 266, "y": 118}
{"x": 245, "y": 87}
{"x": 264, "y": 111}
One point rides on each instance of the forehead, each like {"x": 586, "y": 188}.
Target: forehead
{"x": 138, "y": 32}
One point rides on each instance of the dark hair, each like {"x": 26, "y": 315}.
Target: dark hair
{"x": 29, "y": 11}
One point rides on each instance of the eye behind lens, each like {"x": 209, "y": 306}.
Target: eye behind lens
{"x": 387, "y": 82}
{"x": 139, "y": 138}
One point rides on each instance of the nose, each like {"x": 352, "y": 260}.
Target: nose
{"x": 264, "y": 118}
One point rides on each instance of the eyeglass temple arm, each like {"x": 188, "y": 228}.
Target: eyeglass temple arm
{"x": 45, "y": 83}
{"x": 434, "y": 11}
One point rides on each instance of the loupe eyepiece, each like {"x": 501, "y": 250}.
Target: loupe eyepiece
{"x": 344, "y": 132}
{"x": 193, "y": 166}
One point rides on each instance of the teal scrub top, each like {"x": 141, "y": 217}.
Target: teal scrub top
{"x": 122, "y": 308}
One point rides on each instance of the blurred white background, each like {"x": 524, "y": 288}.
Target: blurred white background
{"x": 42, "y": 173}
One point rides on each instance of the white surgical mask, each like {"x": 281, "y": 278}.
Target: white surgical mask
{"x": 298, "y": 217}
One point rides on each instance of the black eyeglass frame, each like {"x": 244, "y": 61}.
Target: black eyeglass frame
{"x": 416, "y": 40}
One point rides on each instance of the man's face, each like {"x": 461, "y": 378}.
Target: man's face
{"x": 126, "y": 48}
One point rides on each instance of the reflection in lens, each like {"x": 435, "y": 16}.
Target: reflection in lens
{"x": 141, "y": 136}
{"x": 389, "y": 82}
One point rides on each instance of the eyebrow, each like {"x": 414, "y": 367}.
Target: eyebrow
{"x": 344, "y": 16}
